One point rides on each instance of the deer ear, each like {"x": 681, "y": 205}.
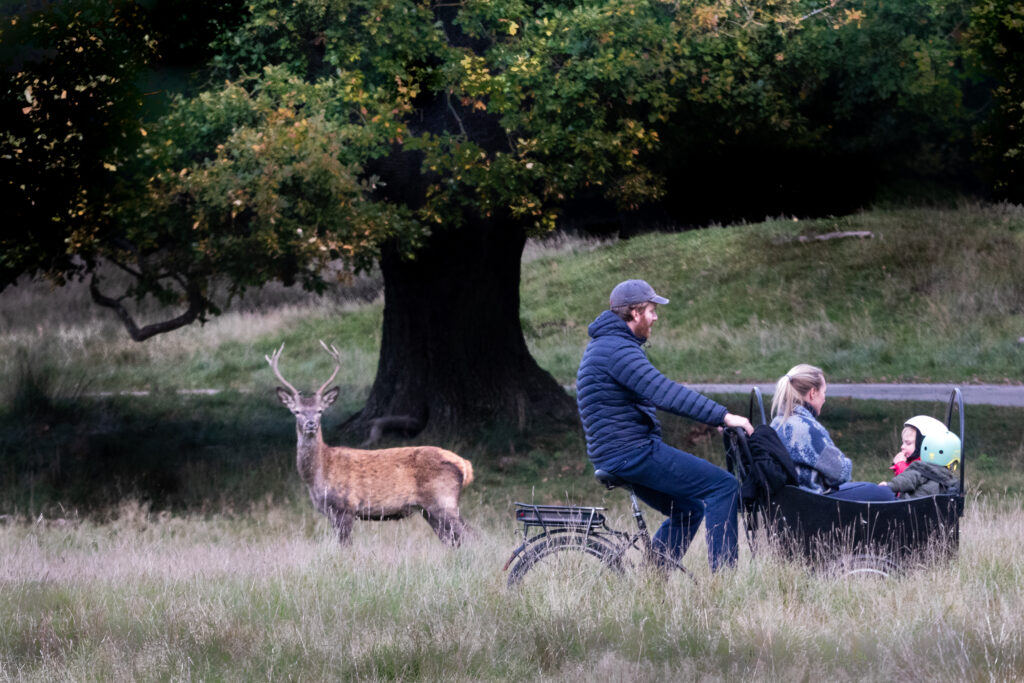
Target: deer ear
{"x": 331, "y": 396}
{"x": 286, "y": 398}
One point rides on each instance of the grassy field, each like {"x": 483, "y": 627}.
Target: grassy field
{"x": 166, "y": 536}
{"x": 265, "y": 594}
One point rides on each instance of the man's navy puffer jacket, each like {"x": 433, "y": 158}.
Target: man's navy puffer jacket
{"x": 618, "y": 390}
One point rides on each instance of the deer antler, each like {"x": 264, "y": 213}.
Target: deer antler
{"x": 272, "y": 359}
{"x": 336, "y": 355}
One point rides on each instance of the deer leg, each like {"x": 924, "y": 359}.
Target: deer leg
{"x": 447, "y": 524}
{"x": 329, "y": 506}
{"x": 342, "y": 523}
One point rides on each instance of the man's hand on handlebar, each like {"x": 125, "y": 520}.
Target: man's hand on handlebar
{"x": 738, "y": 421}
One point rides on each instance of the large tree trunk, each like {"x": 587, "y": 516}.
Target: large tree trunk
{"x": 452, "y": 356}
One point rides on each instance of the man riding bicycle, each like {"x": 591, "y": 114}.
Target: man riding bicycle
{"x": 618, "y": 391}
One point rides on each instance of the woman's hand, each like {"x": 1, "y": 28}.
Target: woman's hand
{"x": 738, "y": 421}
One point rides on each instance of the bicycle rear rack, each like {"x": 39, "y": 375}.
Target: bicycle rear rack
{"x": 583, "y": 518}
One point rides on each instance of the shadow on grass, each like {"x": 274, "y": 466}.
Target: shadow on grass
{"x": 87, "y": 454}
{"x": 71, "y": 454}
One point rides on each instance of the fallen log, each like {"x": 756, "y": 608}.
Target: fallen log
{"x": 861, "y": 234}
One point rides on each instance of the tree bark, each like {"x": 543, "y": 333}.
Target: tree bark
{"x": 453, "y": 356}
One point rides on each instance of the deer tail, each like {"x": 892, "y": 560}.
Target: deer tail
{"x": 467, "y": 472}
{"x": 465, "y": 467}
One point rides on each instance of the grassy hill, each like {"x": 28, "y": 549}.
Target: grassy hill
{"x": 932, "y": 295}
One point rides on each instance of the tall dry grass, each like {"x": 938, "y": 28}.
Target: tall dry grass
{"x": 266, "y": 594}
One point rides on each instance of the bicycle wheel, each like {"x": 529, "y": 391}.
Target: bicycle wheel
{"x": 863, "y": 564}
{"x": 565, "y": 555}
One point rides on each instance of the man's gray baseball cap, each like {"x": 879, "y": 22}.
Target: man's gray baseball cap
{"x": 634, "y": 292}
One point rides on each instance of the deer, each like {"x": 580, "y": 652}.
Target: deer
{"x": 346, "y": 484}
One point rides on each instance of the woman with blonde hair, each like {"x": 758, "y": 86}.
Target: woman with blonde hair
{"x": 820, "y": 466}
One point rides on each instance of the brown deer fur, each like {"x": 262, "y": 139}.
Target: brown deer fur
{"x": 349, "y": 483}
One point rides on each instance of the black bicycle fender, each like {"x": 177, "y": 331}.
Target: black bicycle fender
{"x": 515, "y": 554}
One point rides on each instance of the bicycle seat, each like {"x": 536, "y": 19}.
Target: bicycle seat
{"x": 609, "y": 480}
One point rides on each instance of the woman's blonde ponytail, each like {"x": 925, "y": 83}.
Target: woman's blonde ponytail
{"x": 792, "y": 388}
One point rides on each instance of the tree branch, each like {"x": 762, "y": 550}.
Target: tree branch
{"x": 390, "y": 422}
{"x": 812, "y": 13}
{"x": 125, "y": 267}
{"x": 448, "y": 100}
{"x": 196, "y": 305}
{"x": 831, "y": 5}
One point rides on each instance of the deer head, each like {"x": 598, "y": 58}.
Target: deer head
{"x": 306, "y": 409}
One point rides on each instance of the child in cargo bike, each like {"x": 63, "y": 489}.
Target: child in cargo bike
{"x": 927, "y": 461}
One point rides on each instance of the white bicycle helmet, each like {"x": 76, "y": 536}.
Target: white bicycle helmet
{"x": 935, "y": 443}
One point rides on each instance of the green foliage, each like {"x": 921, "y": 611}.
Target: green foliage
{"x": 258, "y": 184}
{"x": 995, "y": 43}
{"x": 888, "y": 82}
{"x": 334, "y": 127}
{"x": 571, "y": 90}
{"x": 840, "y": 89}
{"x": 499, "y": 109}
{"x": 490, "y": 109}
{"x": 70, "y": 109}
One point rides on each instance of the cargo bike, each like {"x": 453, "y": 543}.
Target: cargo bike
{"x": 846, "y": 536}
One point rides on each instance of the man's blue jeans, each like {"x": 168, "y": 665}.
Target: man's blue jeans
{"x": 688, "y": 490}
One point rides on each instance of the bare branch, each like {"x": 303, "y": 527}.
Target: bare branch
{"x": 125, "y": 267}
{"x": 813, "y": 12}
{"x": 196, "y": 304}
{"x": 448, "y": 100}
{"x": 831, "y": 5}
{"x": 403, "y": 423}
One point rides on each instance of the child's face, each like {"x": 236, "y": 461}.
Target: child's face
{"x": 909, "y": 444}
